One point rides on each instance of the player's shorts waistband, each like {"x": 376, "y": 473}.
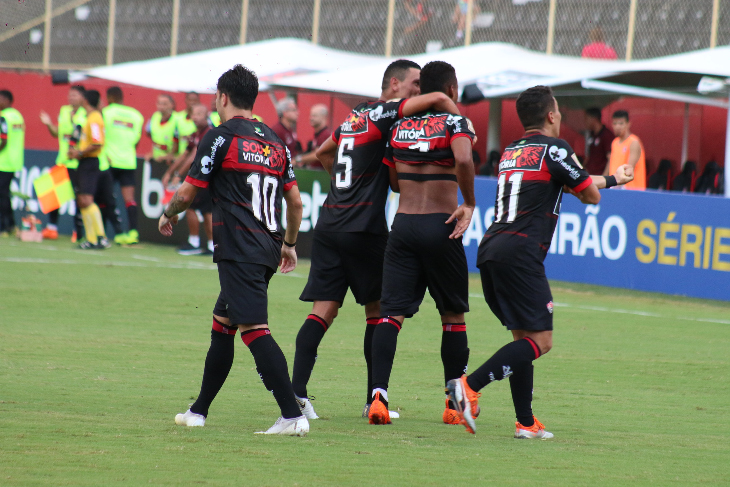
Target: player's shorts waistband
{"x": 412, "y": 176}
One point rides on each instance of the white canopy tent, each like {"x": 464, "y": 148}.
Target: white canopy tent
{"x": 199, "y": 71}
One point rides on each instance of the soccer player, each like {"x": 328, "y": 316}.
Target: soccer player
{"x": 123, "y": 126}
{"x": 430, "y": 157}
{"x": 86, "y": 145}
{"x": 12, "y": 145}
{"x": 202, "y": 201}
{"x": 69, "y": 117}
{"x": 534, "y": 172}
{"x": 351, "y": 233}
{"x": 162, "y": 129}
{"x": 248, "y": 170}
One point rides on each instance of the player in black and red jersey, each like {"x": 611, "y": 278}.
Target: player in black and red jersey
{"x": 534, "y": 172}
{"x": 351, "y": 233}
{"x": 429, "y": 155}
{"x": 248, "y": 170}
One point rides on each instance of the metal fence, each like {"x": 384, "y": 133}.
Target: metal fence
{"x": 47, "y": 34}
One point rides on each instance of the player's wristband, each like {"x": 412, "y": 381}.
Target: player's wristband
{"x": 289, "y": 244}
{"x": 610, "y": 181}
{"x": 164, "y": 212}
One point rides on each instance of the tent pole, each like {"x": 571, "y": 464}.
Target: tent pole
{"x": 315, "y": 21}
{"x": 244, "y": 22}
{"x": 630, "y": 35}
{"x": 551, "y": 27}
{"x": 494, "y": 128}
{"x": 175, "y": 27}
{"x": 727, "y": 156}
{"x": 685, "y": 136}
{"x": 715, "y": 20}
{"x": 469, "y": 19}
{"x": 111, "y": 32}
{"x": 47, "y": 35}
{"x": 389, "y": 29}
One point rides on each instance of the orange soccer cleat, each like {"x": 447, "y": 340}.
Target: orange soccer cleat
{"x": 534, "y": 432}
{"x": 49, "y": 234}
{"x": 378, "y": 411}
{"x": 465, "y": 400}
{"x": 451, "y": 416}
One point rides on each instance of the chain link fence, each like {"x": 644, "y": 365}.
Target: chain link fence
{"x": 82, "y": 33}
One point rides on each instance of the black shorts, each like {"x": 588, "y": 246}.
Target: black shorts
{"x": 519, "y": 296}
{"x": 105, "y": 190}
{"x": 421, "y": 255}
{"x": 203, "y": 202}
{"x": 125, "y": 177}
{"x": 244, "y": 292}
{"x": 345, "y": 259}
{"x": 88, "y": 175}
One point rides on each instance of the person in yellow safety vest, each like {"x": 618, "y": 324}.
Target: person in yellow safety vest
{"x": 162, "y": 129}
{"x": 69, "y": 117}
{"x": 12, "y": 146}
{"x": 123, "y": 126}
{"x": 185, "y": 125}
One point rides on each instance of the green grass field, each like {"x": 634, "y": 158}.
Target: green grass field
{"x": 100, "y": 350}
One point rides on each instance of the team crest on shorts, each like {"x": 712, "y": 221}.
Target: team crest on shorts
{"x": 550, "y": 307}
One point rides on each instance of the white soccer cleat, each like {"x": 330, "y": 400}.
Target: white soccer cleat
{"x": 305, "y": 405}
{"x": 189, "y": 418}
{"x": 534, "y": 432}
{"x": 288, "y": 427}
{"x": 366, "y": 412}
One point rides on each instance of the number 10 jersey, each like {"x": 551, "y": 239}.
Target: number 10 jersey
{"x": 359, "y": 185}
{"x": 247, "y": 168}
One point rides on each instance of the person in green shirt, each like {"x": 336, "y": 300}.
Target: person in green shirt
{"x": 69, "y": 117}
{"x": 123, "y": 125}
{"x": 185, "y": 125}
{"x": 162, "y": 129}
{"x": 12, "y": 147}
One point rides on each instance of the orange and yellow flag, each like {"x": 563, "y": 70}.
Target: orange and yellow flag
{"x": 53, "y": 189}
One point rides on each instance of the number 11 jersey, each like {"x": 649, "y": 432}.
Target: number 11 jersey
{"x": 532, "y": 173}
{"x": 359, "y": 186}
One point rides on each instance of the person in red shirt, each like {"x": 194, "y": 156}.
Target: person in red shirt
{"x": 286, "y": 128}
{"x": 318, "y": 120}
{"x": 598, "y": 142}
{"x": 598, "y": 49}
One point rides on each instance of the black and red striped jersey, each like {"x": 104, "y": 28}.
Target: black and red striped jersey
{"x": 532, "y": 173}
{"x": 426, "y": 139}
{"x": 247, "y": 168}
{"x": 359, "y": 186}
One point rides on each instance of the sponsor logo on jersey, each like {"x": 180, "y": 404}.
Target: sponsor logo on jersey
{"x": 206, "y": 165}
{"x": 524, "y": 158}
{"x": 356, "y": 123}
{"x": 218, "y": 142}
{"x": 122, "y": 123}
{"x": 258, "y": 131}
{"x": 255, "y": 152}
{"x": 378, "y": 113}
{"x": 550, "y": 307}
{"x": 557, "y": 154}
{"x": 410, "y": 129}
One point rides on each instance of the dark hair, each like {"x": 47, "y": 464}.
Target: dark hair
{"x": 397, "y": 69}
{"x": 192, "y": 93}
{"x": 79, "y": 88}
{"x": 115, "y": 92}
{"x": 241, "y": 85}
{"x": 594, "y": 112}
{"x": 437, "y": 76}
{"x": 533, "y": 105}
{"x": 621, "y": 114}
{"x": 169, "y": 97}
{"x": 92, "y": 96}
{"x": 6, "y": 94}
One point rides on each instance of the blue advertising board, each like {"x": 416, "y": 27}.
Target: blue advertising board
{"x": 651, "y": 241}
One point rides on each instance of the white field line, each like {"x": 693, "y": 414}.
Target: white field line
{"x": 626, "y": 311}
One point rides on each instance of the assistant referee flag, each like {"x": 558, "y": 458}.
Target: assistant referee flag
{"x": 53, "y": 189}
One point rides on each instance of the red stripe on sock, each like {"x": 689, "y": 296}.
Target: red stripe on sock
{"x": 391, "y": 321}
{"x": 130, "y": 203}
{"x": 372, "y": 321}
{"x": 454, "y": 326}
{"x": 318, "y": 320}
{"x": 250, "y": 336}
{"x": 221, "y": 328}
{"x": 534, "y": 347}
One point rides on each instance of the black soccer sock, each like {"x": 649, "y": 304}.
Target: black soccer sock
{"x": 308, "y": 339}
{"x": 454, "y": 350}
{"x": 53, "y": 217}
{"x": 385, "y": 341}
{"x": 508, "y": 359}
{"x": 78, "y": 225}
{"x": 271, "y": 365}
{"x": 111, "y": 214}
{"x": 520, "y": 383}
{"x": 367, "y": 348}
{"x": 218, "y": 364}
{"x": 132, "y": 214}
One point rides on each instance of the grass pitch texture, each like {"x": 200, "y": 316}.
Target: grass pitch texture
{"x": 100, "y": 350}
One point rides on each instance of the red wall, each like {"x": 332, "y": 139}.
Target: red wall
{"x": 658, "y": 123}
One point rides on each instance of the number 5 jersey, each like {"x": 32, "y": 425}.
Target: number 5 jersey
{"x": 247, "y": 168}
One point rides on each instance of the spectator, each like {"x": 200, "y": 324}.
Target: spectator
{"x": 459, "y": 16}
{"x": 662, "y": 178}
{"x": 162, "y": 129}
{"x": 597, "y": 48}
{"x": 185, "y": 124}
{"x": 627, "y": 149}
{"x": 416, "y": 34}
{"x": 490, "y": 167}
{"x": 286, "y": 128}
{"x": 685, "y": 180}
{"x": 711, "y": 181}
{"x": 12, "y": 144}
{"x": 318, "y": 120}
{"x": 598, "y": 142}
